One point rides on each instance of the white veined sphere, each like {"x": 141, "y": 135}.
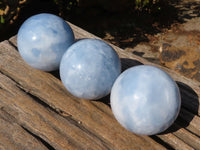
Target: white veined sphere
{"x": 89, "y": 68}
{"x": 145, "y": 100}
{"x": 43, "y": 39}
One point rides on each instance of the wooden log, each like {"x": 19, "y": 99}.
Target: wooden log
{"x": 191, "y": 122}
{"x": 187, "y": 86}
{"x": 62, "y": 121}
{"x": 13, "y": 136}
{"x": 187, "y": 137}
{"x": 38, "y": 102}
{"x": 60, "y": 132}
{"x": 175, "y": 142}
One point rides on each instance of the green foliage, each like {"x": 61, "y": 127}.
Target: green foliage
{"x": 66, "y": 6}
{"x": 150, "y": 5}
{"x": 9, "y": 10}
{"x": 2, "y": 20}
{"x": 2, "y": 7}
{"x": 141, "y": 3}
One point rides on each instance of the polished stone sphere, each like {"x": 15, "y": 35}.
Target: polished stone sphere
{"x": 89, "y": 68}
{"x": 145, "y": 100}
{"x": 42, "y": 40}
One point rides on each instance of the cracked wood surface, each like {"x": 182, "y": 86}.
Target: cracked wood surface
{"x": 36, "y": 111}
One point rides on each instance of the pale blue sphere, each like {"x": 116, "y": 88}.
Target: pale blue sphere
{"x": 42, "y": 40}
{"x": 145, "y": 100}
{"x": 89, "y": 68}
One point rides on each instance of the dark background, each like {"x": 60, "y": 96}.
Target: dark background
{"x": 122, "y": 21}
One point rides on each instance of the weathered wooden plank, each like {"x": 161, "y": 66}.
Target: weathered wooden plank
{"x": 192, "y": 122}
{"x": 175, "y": 142}
{"x": 95, "y": 116}
{"x": 74, "y": 123}
{"x": 13, "y": 136}
{"x": 61, "y": 133}
{"x": 190, "y": 90}
{"x": 129, "y": 59}
{"x": 188, "y": 87}
{"x": 187, "y": 137}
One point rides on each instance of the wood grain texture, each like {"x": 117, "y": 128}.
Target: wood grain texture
{"x": 38, "y": 105}
{"x": 13, "y": 136}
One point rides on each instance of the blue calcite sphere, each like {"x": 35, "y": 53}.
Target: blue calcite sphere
{"x": 42, "y": 40}
{"x": 89, "y": 68}
{"x": 145, "y": 100}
